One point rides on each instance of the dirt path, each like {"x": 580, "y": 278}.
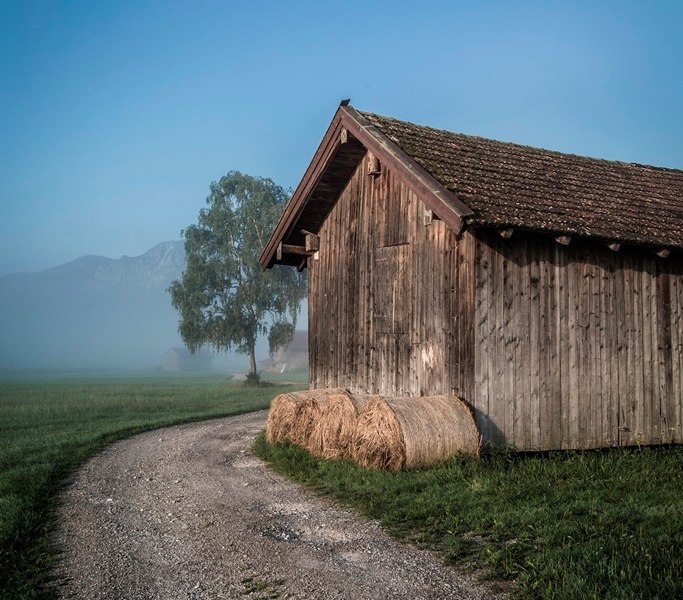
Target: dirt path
{"x": 188, "y": 512}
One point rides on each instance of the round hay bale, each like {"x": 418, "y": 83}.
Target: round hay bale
{"x": 377, "y": 442}
{"x": 407, "y": 433}
{"x": 308, "y": 413}
{"x": 281, "y": 418}
{"x": 333, "y": 431}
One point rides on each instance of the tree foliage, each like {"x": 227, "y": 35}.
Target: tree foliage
{"x": 224, "y": 298}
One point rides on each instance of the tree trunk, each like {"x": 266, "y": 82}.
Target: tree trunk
{"x": 251, "y": 359}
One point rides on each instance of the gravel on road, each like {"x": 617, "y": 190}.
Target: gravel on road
{"x": 188, "y": 512}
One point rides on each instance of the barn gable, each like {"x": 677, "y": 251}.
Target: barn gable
{"x": 439, "y": 269}
{"x": 348, "y": 139}
{"x": 392, "y": 319}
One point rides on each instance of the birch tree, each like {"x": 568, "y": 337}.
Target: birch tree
{"x": 224, "y": 299}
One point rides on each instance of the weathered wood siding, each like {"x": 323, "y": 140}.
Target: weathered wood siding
{"x": 576, "y": 346}
{"x": 390, "y": 299}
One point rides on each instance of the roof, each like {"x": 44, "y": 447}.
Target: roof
{"x": 519, "y": 186}
{"x": 471, "y": 181}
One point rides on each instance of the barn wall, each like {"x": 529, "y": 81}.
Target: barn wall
{"x": 554, "y": 346}
{"x": 390, "y": 299}
{"x": 577, "y": 346}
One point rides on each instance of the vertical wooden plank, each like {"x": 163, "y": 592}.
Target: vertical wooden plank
{"x": 524, "y": 343}
{"x": 610, "y": 424}
{"x": 498, "y": 399}
{"x": 655, "y": 399}
{"x": 312, "y": 338}
{"x": 446, "y": 286}
{"x": 596, "y": 359}
{"x": 468, "y": 374}
{"x": 664, "y": 357}
{"x": 506, "y": 333}
{"x": 573, "y": 325}
{"x": 660, "y": 347}
{"x": 585, "y": 360}
{"x": 589, "y": 338}
{"x": 676, "y": 434}
{"x": 628, "y": 402}
{"x": 637, "y": 346}
{"x": 561, "y": 328}
{"x": 414, "y": 317}
{"x": 537, "y": 344}
{"x": 483, "y": 315}
{"x": 622, "y": 344}
{"x": 650, "y": 414}
{"x": 550, "y": 384}
{"x": 371, "y": 359}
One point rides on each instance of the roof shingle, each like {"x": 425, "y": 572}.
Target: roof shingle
{"x": 508, "y": 185}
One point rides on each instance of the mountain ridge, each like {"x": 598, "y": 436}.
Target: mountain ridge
{"x": 93, "y": 311}
{"x": 164, "y": 261}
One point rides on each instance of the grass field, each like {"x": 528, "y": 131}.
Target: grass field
{"x": 51, "y": 424}
{"x": 591, "y": 525}
{"x": 566, "y": 525}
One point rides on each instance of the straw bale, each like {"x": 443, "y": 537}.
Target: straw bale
{"x": 407, "y": 433}
{"x": 308, "y": 413}
{"x": 378, "y": 440}
{"x": 333, "y": 431}
{"x": 281, "y": 417}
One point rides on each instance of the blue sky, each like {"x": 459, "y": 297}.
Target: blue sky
{"x": 115, "y": 117}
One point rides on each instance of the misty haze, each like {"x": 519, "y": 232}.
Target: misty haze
{"x": 97, "y": 313}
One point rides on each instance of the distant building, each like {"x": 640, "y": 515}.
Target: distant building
{"x": 181, "y": 359}
{"x": 293, "y": 357}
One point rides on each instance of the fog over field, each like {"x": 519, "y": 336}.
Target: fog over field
{"x": 96, "y": 313}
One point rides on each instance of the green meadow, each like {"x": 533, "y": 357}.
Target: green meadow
{"x": 565, "y": 525}
{"x": 51, "y": 424}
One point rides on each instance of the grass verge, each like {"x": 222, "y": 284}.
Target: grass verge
{"x": 49, "y": 427}
{"x": 567, "y": 525}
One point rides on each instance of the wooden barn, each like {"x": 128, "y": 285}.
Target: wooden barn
{"x": 544, "y": 289}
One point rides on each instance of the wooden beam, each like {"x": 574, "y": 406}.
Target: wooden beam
{"x": 429, "y": 216}
{"x": 563, "y": 239}
{"x": 344, "y": 136}
{"x": 614, "y": 246}
{"x": 302, "y": 265}
{"x": 283, "y": 249}
{"x": 291, "y": 249}
{"x": 506, "y": 233}
{"x": 374, "y": 167}
{"x": 312, "y": 242}
{"x": 663, "y": 253}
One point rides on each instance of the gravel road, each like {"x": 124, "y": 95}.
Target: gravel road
{"x": 188, "y": 512}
